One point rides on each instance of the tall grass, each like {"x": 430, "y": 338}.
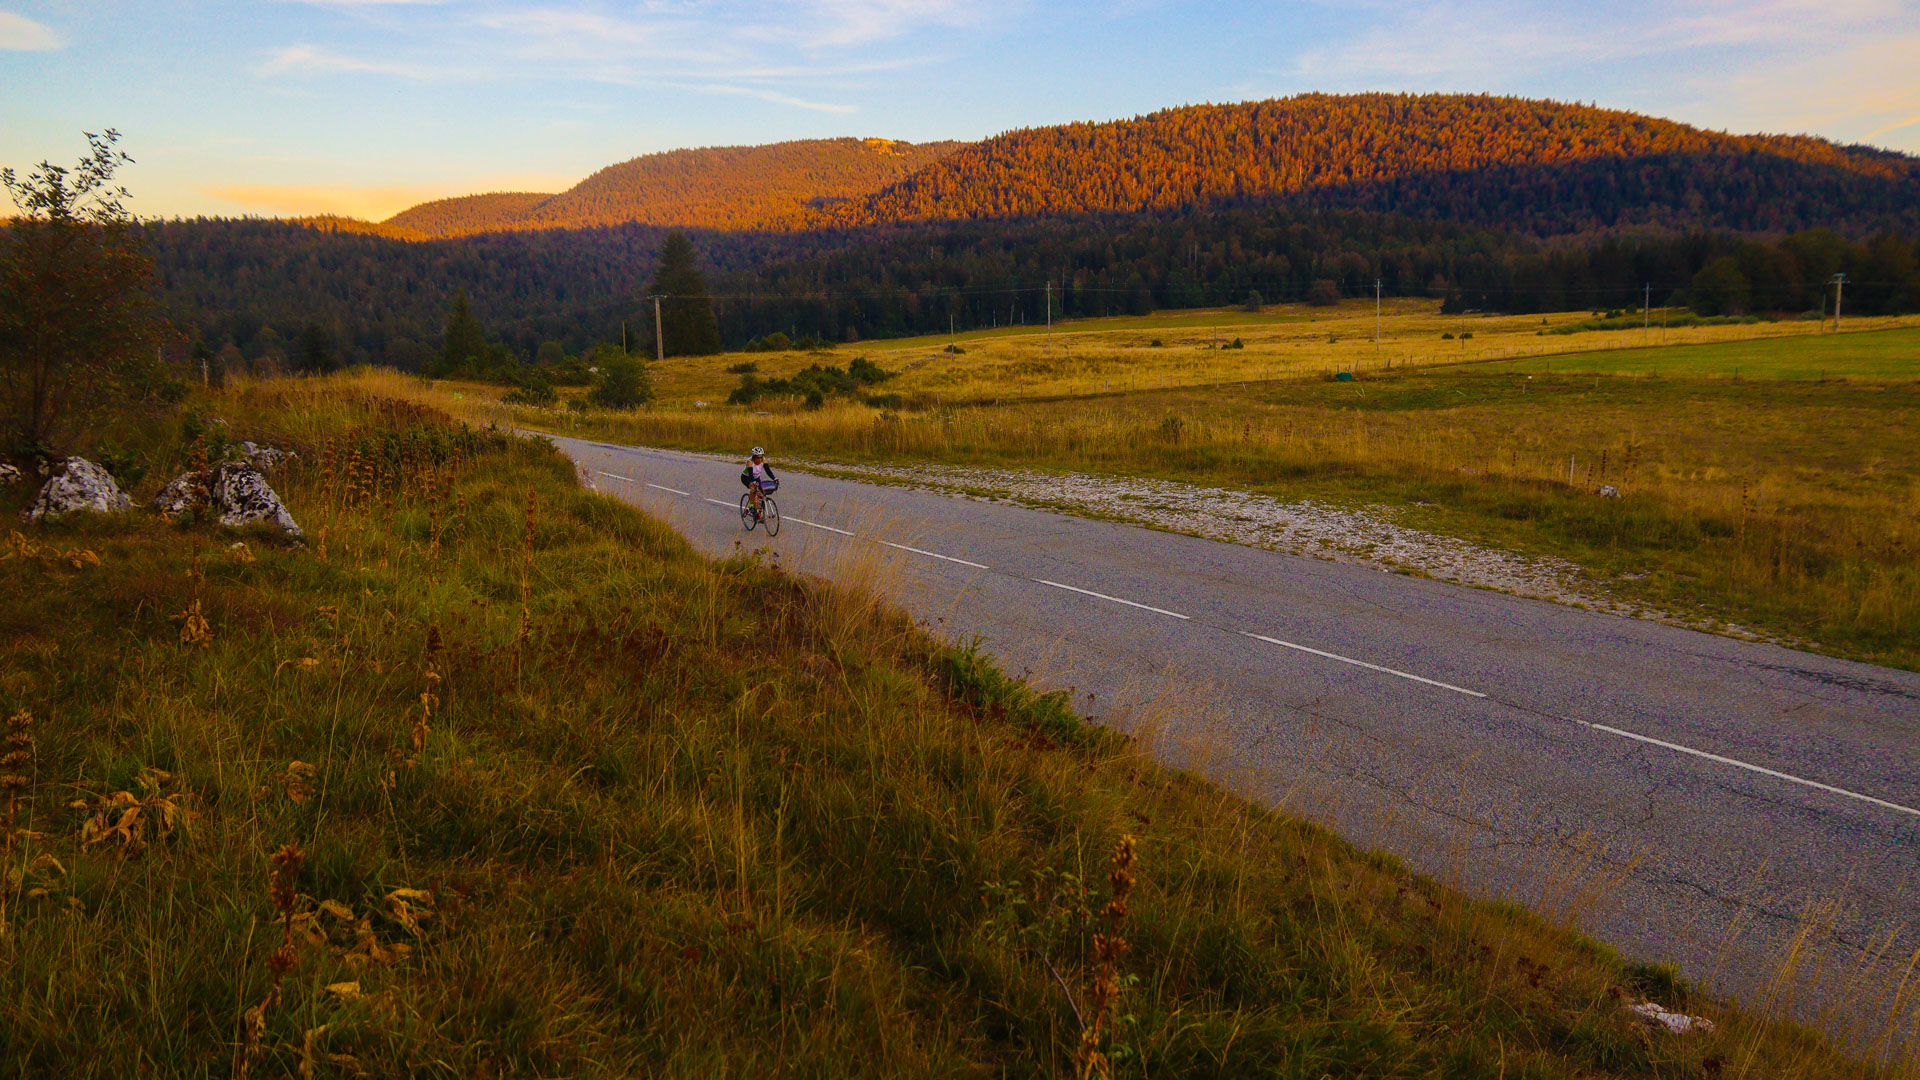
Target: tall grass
{"x": 532, "y": 789}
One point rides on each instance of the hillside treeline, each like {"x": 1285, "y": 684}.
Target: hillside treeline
{"x": 260, "y": 285}
{"x": 1538, "y": 166}
{"x": 721, "y": 187}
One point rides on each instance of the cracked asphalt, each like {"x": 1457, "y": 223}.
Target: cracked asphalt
{"x": 1677, "y": 850}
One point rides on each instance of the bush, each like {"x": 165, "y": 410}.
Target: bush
{"x": 1255, "y": 301}
{"x": 1447, "y": 336}
{"x": 623, "y": 385}
{"x": 954, "y": 349}
{"x": 1324, "y": 293}
{"x": 1236, "y": 343}
{"x": 744, "y": 368}
{"x": 535, "y": 391}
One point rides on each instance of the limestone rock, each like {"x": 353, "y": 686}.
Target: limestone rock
{"x": 265, "y": 458}
{"x": 1608, "y": 491}
{"x": 182, "y": 495}
{"x": 78, "y": 486}
{"x": 9, "y": 475}
{"x": 234, "y": 492}
{"x": 241, "y": 496}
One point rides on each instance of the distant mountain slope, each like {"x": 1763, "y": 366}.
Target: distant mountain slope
{"x": 726, "y": 187}
{"x": 1524, "y": 162}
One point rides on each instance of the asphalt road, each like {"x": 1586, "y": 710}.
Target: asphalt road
{"x": 1685, "y": 797}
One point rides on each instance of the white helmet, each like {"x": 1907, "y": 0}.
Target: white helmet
{"x": 757, "y": 452}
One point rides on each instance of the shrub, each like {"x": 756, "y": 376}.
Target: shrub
{"x": 1324, "y": 293}
{"x": 747, "y": 367}
{"x": 623, "y": 385}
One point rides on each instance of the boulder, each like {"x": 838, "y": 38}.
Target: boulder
{"x": 9, "y": 475}
{"x": 182, "y": 495}
{"x": 1608, "y": 491}
{"x": 233, "y": 491}
{"x": 265, "y": 458}
{"x": 241, "y": 496}
{"x": 78, "y": 486}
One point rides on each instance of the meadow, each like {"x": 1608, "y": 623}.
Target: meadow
{"x": 1094, "y": 357}
{"x": 497, "y": 777}
{"x": 1784, "y": 506}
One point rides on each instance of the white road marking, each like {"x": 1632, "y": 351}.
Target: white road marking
{"x": 615, "y": 475}
{"x": 1115, "y": 599}
{"x": 1738, "y": 764}
{"x": 933, "y": 555}
{"x": 817, "y": 525}
{"x": 1621, "y": 733}
{"x": 1364, "y": 664}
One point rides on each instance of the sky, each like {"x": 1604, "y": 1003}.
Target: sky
{"x": 365, "y": 107}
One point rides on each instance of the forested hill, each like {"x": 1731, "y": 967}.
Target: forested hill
{"x": 728, "y": 187}
{"x": 1542, "y": 166}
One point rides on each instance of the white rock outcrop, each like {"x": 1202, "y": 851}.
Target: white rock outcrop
{"x": 234, "y": 492}
{"x": 265, "y": 458}
{"x": 9, "y": 475}
{"x": 78, "y": 486}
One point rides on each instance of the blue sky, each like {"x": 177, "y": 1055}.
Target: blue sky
{"x": 367, "y": 106}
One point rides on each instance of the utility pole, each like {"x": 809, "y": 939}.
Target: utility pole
{"x": 1839, "y": 288}
{"x": 1049, "y": 307}
{"x": 659, "y": 335}
{"x": 623, "y": 336}
{"x": 1376, "y": 314}
{"x": 1646, "y": 314}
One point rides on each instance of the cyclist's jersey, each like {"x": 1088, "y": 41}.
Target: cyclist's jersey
{"x": 761, "y": 474}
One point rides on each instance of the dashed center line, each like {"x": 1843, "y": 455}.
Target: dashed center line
{"x": 817, "y": 525}
{"x": 1362, "y": 663}
{"x": 1749, "y": 766}
{"x": 1115, "y": 599}
{"x": 616, "y": 476}
{"x": 1678, "y": 748}
{"x": 931, "y": 554}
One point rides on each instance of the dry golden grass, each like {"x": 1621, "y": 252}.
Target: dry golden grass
{"x": 1103, "y": 356}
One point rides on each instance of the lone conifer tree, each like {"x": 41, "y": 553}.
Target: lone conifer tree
{"x": 464, "y": 353}
{"x": 687, "y": 325}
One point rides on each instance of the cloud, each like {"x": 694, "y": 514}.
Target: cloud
{"x": 312, "y": 60}
{"x": 771, "y": 95}
{"x": 21, "y": 34}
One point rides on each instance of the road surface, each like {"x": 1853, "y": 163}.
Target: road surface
{"x": 1685, "y": 797}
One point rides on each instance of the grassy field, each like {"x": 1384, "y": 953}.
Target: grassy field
{"x": 498, "y": 778}
{"x": 1785, "y": 506}
{"x": 1887, "y": 355}
{"x": 1118, "y": 355}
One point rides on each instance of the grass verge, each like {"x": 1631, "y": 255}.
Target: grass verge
{"x": 498, "y": 777}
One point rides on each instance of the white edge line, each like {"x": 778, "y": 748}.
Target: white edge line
{"x": 615, "y": 476}
{"x": 1115, "y": 599}
{"x": 933, "y": 555}
{"x": 1364, "y": 664}
{"x": 1738, "y": 764}
{"x": 663, "y": 487}
{"x": 718, "y": 502}
{"x": 817, "y": 525}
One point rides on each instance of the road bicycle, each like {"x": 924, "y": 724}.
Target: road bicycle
{"x": 766, "y": 514}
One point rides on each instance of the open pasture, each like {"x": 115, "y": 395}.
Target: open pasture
{"x": 1879, "y": 354}
{"x": 1119, "y": 355}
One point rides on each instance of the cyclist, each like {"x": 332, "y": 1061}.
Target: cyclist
{"x": 758, "y": 479}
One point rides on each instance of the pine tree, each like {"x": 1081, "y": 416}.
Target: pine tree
{"x": 314, "y": 355}
{"x": 464, "y": 352}
{"x": 687, "y": 325}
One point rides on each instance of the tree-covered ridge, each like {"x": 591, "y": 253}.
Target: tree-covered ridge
{"x": 1366, "y": 145}
{"x": 724, "y": 187}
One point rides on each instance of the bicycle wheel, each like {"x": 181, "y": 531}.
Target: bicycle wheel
{"x": 772, "y": 517}
{"x": 747, "y": 519}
